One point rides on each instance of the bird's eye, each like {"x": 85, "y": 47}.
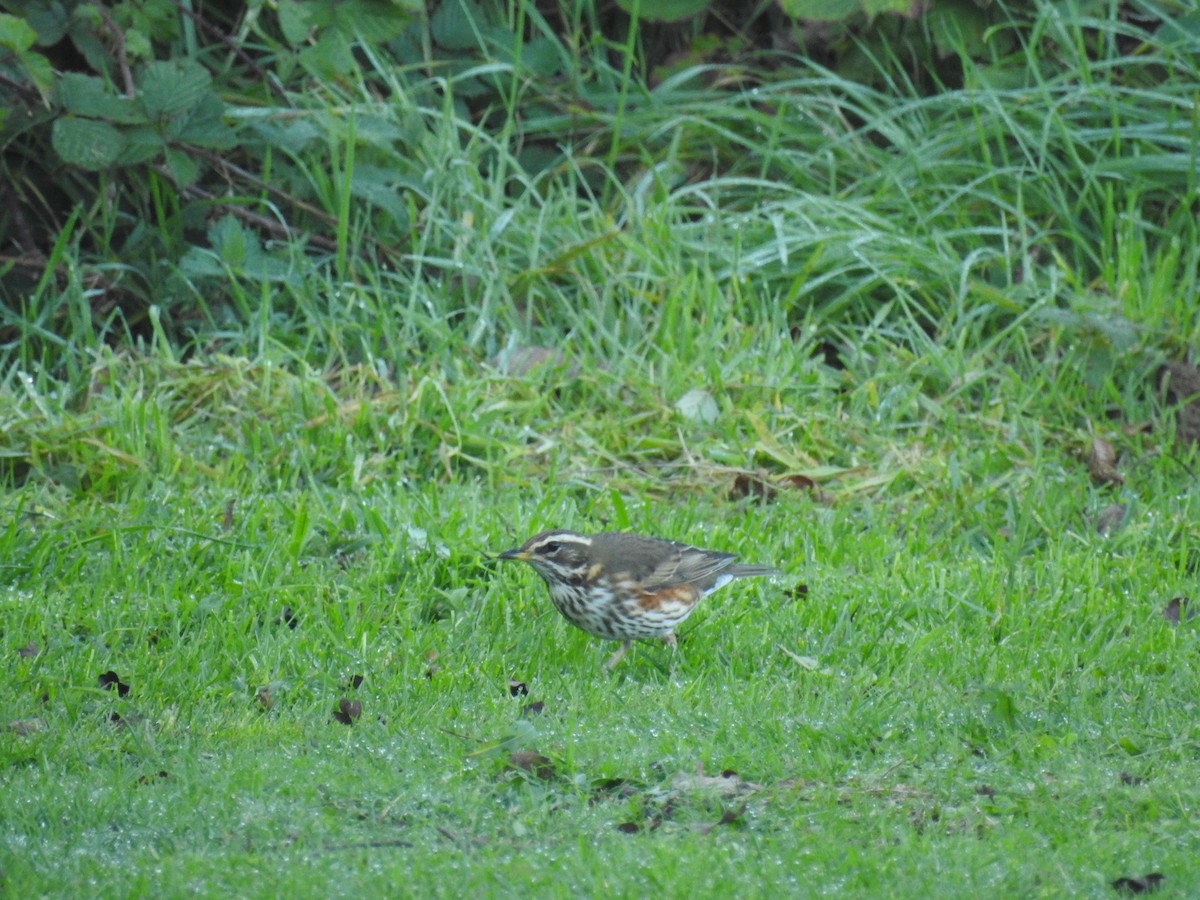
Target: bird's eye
{"x": 551, "y": 548}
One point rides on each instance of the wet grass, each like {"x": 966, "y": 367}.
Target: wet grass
{"x": 958, "y": 684}
{"x": 884, "y": 373}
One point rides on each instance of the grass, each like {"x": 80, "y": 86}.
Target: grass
{"x": 958, "y": 685}
{"x": 958, "y": 699}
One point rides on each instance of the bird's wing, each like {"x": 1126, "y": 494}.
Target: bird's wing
{"x": 688, "y": 565}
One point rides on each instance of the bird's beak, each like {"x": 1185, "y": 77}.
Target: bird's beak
{"x": 514, "y": 553}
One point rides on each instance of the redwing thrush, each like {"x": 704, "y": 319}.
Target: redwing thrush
{"x": 625, "y": 587}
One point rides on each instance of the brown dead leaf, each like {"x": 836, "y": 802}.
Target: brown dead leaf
{"x": 797, "y": 483}
{"x": 752, "y": 484}
{"x": 1180, "y": 384}
{"x": 1140, "y": 884}
{"x": 668, "y": 809}
{"x": 761, "y": 486}
{"x": 112, "y": 681}
{"x": 1111, "y": 518}
{"x": 29, "y": 651}
{"x": 1180, "y": 609}
{"x": 348, "y": 711}
{"x": 529, "y": 710}
{"x": 533, "y": 762}
{"x": 727, "y": 818}
{"x": 615, "y": 789}
{"x": 1102, "y": 463}
{"x": 796, "y": 592}
{"x": 651, "y": 823}
{"x": 828, "y": 352}
{"x": 264, "y": 699}
{"x": 27, "y": 726}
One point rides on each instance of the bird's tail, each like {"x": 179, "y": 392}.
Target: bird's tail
{"x": 743, "y": 570}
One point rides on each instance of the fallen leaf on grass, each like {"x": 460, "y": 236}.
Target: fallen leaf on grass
{"x": 1180, "y": 383}
{"x": 517, "y": 688}
{"x": 650, "y": 823}
{"x": 27, "y": 726}
{"x": 532, "y": 762}
{"x": 614, "y": 789}
{"x": 516, "y": 362}
{"x": 1140, "y": 884}
{"x": 264, "y": 699}
{"x": 533, "y": 709}
{"x": 29, "y": 651}
{"x": 347, "y": 711}
{"x": 751, "y": 484}
{"x": 808, "y": 663}
{"x": 764, "y": 488}
{"x": 727, "y": 818}
{"x": 161, "y": 775}
{"x": 1102, "y": 463}
{"x": 727, "y": 784}
{"x": 1180, "y": 609}
{"x": 1131, "y": 429}
{"x": 798, "y": 483}
{"x": 796, "y": 592}
{"x": 354, "y": 683}
{"x": 112, "y": 681}
{"x": 1111, "y": 518}
{"x": 698, "y": 405}
{"x": 1132, "y": 780}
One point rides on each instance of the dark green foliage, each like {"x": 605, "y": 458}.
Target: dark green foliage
{"x": 192, "y": 177}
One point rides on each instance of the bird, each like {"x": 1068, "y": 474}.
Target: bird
{"x": 627, "y": 587}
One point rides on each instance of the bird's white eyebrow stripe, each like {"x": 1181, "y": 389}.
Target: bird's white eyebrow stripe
{"x": 549, "y": 537}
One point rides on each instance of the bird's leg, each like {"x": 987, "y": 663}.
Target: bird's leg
{"x": 669, "y": 640}
{"x": 618, "y": 656}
